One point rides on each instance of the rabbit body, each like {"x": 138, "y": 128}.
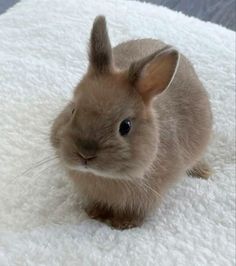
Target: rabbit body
{"x": 171, "y": 127}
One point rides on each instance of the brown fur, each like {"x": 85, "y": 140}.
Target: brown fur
{"x": 160, "y": 92}
{"x": 100, "y": 53}
{"x": 201, "y": 170}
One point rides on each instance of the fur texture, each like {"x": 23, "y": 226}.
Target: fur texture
{"x": 43, "y": 55}
{"x": 159, "y": 92}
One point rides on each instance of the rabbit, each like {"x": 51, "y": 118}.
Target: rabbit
{"x": 139, "y": 120}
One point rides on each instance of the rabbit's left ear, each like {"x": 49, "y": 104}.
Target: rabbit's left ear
{"x": 100, "y": 52}
{"x": 153, "y": 74}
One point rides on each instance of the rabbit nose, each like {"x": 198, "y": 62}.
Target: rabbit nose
{"x": 87, "y": 149}
{"x": 86, "y": 157}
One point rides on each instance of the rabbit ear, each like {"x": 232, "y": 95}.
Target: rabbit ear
{"x": 153, "y": 74}
{"x": 100, "y": 53}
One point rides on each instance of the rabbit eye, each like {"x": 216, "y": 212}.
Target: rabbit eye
{"x": 125, "y": 127}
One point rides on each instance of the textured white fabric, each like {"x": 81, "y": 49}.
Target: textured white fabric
{"x": 42, "y": 56}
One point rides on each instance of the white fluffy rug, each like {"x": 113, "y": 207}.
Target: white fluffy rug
{"x": 42, "y": 56}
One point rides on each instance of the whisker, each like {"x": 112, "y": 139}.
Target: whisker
{"x": 143, "y": 185}
{"x": 35, "y": 177}
{"x": 142, "y": 189}
{"x": 153, "y": 191}
{"x": 33, "y": 167}
{"x": 39, "y": 174}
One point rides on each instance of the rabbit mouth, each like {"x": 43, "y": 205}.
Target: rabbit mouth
{"x": 88, "y": 169}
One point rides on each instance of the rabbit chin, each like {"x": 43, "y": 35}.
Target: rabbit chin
{"x": 90, "y": 170}
{"x": 104, "y": 174}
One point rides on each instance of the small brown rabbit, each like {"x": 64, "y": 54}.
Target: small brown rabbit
{"x": 139, "y": 120}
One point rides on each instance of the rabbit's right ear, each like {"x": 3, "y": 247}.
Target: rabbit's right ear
{"x": 100, "y": 51}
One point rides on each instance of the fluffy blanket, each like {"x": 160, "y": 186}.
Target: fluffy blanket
{"x": 43, "y": 53}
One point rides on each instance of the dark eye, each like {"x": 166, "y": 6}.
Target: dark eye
{"x": 73, "y": 110}
{"x": 125, "y": 127}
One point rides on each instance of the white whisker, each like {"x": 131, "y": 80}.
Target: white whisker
{"x": 33, "y": 167}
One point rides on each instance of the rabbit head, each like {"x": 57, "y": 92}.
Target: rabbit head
{"x": 110, "y": 128}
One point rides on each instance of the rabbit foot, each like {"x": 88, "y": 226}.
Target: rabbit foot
{"x": 200, "y": 170}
